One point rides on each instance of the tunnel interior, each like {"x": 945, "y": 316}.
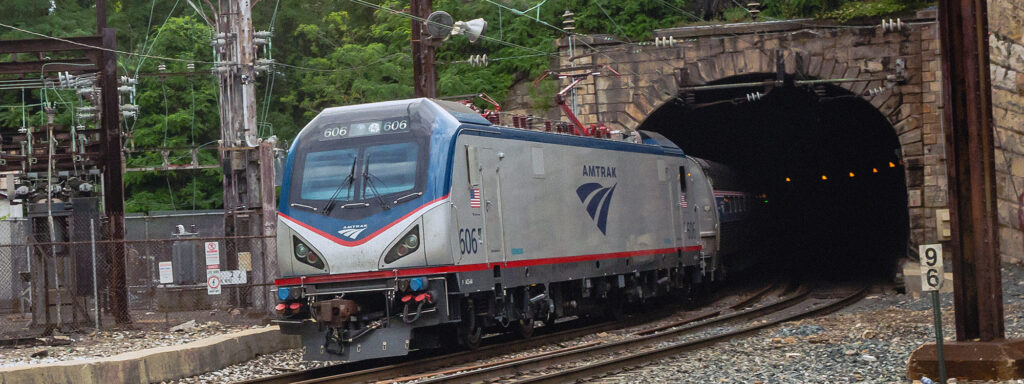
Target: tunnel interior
{"x": 826, "y": 161}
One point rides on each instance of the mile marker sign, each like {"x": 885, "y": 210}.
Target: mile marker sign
{"x": 931, "y": 267}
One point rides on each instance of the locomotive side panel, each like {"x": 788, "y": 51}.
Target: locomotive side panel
{"x": 567, "y": 212}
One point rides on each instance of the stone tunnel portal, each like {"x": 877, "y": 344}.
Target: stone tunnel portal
{"x": 826, "y": 160}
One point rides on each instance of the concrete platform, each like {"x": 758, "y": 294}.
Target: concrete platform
{"x": 157, "y": 364}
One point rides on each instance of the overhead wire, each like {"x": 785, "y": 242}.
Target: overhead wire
{"x": 425, "y": 21}
{"x": 155, "y": 38}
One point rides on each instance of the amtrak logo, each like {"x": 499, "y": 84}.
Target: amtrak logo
{"x": 352, "y": 231}
{"x": 596, "y": 198}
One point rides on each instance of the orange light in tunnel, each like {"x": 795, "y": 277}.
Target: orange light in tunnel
{"x": 892, "y": 165}
{"x": 823, "y": 177}
{"x": 874, "y": 170}
{"x": 787, "y": 180}
{"x": 851, "y": 174}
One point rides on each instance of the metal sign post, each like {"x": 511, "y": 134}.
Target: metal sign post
{"x": 932, "y": 276}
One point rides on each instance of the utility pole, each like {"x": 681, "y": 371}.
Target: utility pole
{"x": 423, "y": 73}
{"x": 245, "y": 204}
{"x": 113, "y": 180}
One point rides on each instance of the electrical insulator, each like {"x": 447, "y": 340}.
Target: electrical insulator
{"x": 125, "y": 89}
{"x": 478, "y": 60}
{"x": 876, "y": 91}
{"x": 128, "y": 114}
{"x": 86, "y": 91}
{"x": 190, "y": 66}
{"x": 259, "y": 41}
{"x": 161, "y": 68}
{"x": 667, "y": 41}
{"x": 67, "y": 80}
{"x": 568, "y": 24}
{"x": 892, "y": 25}
{"x": 129, "y": 107}
{"x": 263, "y": 34}
{"x": 86, "y": 109}
{"x": 263, "y": 65}
{"x": 754, "y": 96}
{"x": 754, "y": 8}
{"x": 219, "y": 39}
{"x": 85, "y": 116}
{"x": 128, "y": 80}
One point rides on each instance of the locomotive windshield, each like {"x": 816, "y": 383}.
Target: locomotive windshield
{"x": 358, "y": 164}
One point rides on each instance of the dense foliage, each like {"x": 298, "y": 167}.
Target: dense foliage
{"x": 333, "y": 52}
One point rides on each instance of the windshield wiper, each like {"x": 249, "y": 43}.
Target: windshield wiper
{"x": 368, "y": 179}
{"x": 334, "y": 197}
{"x": 414, "y": 194}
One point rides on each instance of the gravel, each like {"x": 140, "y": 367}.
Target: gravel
{"x": 869, "y": 342}
{"x": 78, "y": 346}
{"x": 266, "y": 365}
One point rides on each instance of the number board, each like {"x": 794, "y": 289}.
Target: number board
{"x": 365, "y": 128}
{"x": 931, "y": 267}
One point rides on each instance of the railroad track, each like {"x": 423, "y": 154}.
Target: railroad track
{"x": 373, "y": 371}
{"x": 597, "y": 359}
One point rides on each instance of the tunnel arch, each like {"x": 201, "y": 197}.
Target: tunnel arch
{"x": 828, "y": 160}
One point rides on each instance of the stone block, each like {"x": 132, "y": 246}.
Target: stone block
{"x": 726, "y": 67}
{"x": 740, "y": 61}
{"x": 1007, "y": 212}
{"x": 914, "y": 197}
{"x": 910, "y": 136}
{"x": 707, "y": 69}
{"x": 935, "y": 196}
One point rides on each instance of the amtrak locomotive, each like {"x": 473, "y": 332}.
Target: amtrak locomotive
{"x": 408, "y": 224}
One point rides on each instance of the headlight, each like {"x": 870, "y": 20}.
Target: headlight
{"x": 411, "y": 241}
{"x": 301, "y": 250}
{"x": 408, "y": 244}
{"x": 305, "y": 254}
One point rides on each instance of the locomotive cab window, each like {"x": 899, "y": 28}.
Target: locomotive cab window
{"x": 370, "y": 162}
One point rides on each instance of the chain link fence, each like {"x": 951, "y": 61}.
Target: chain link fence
{"x": 59, "y": 272}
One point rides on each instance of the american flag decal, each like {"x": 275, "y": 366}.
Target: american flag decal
{"x": 682, "y": 200}
{"x": 474, "y": 197}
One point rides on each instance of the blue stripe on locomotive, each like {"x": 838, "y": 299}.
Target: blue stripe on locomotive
{"x": 446, "y": 127}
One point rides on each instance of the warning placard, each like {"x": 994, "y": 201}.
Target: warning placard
{"x": 213, "y": 283}
{"x": 212, "y": 255}
{"x": 166, "y": 272}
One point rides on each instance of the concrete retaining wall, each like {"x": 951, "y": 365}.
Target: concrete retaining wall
{"x": 157, "y": 364}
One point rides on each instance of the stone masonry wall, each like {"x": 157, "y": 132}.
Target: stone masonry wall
{"x": 712, "y": 53}
{"x": 1006, "y": 51}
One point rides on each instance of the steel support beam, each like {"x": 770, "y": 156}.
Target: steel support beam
{"x": 50, "y": 45}
{"x": 970, "y": 167}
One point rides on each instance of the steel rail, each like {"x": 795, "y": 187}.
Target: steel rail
{"x": 643, "y": 337}
{"x": 356, "y": 373}
{"x": 647, "y": 356}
